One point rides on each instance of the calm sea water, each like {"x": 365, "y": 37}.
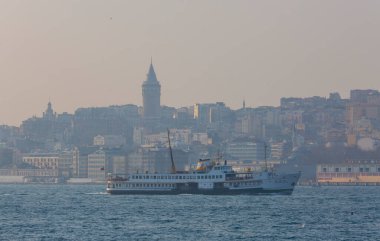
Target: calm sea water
{"x": 76, "y": 212}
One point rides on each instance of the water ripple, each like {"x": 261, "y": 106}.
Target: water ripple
{"x": 80, "y": 212}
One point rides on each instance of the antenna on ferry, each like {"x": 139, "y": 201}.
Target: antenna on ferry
{"x": 265, "y": 156}
{"x": 173, "y": 170}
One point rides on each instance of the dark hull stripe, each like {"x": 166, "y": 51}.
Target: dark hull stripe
{"x": 255, "y": 191}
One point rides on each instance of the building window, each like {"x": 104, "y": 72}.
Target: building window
{"x": 337, "y": 169}
{"x": 361, "y": 169}
{"x": 349, "y": 169}
{"x": 367, "y": 169}
{"x": 324, "y": 169}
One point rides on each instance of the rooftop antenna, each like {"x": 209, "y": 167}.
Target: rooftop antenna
{"x": 173, "y": 170}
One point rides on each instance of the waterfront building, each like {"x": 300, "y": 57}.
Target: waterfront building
{"x": 82, "y": 167}
{"x": 97, "y": 166}
{"x": 28, "y": 172}
{"x": 64, "y": 162}
{"x": 42, "y": 161}
{"x": 349, "y": 173}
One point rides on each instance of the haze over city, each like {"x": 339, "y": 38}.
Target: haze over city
{"x": 97, "y": 53}
{"x": 189, "y": 120}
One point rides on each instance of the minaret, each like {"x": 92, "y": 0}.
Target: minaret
{"x": 151, "y": 92}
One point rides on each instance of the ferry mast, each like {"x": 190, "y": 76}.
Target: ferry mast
{"x": 173, "y": 169}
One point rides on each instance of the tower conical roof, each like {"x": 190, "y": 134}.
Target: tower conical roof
{"x": 151, "y": 76}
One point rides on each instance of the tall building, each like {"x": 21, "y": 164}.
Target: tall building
{"x": 151, "y": 92}
{"x": 97, "y": 165}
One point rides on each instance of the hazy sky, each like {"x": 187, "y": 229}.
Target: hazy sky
{"x": 82, "y": 53}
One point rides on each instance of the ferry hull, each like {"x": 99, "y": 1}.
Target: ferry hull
{"x": 253, "y": 191}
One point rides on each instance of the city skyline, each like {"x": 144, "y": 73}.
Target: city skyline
{"x": 256, "y": 51}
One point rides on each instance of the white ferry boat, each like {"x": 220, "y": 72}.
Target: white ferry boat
{"x": 209, "y": 178}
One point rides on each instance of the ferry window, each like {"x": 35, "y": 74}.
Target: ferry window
{"x": 202, "y": 177}
{"x": 361, "y": 169}
{"x": 349, "y": 169}
{"x": 367, "y": 169}
{"x": 154, "y": 177}
{"x": 213, "y": 176}
{"x": 180, "y": 177}
{"x": 378, "y": 169}
{"x": 337, "y": 169}
{"x": 197, "y": 177}
{"x": 324, "y": 169}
